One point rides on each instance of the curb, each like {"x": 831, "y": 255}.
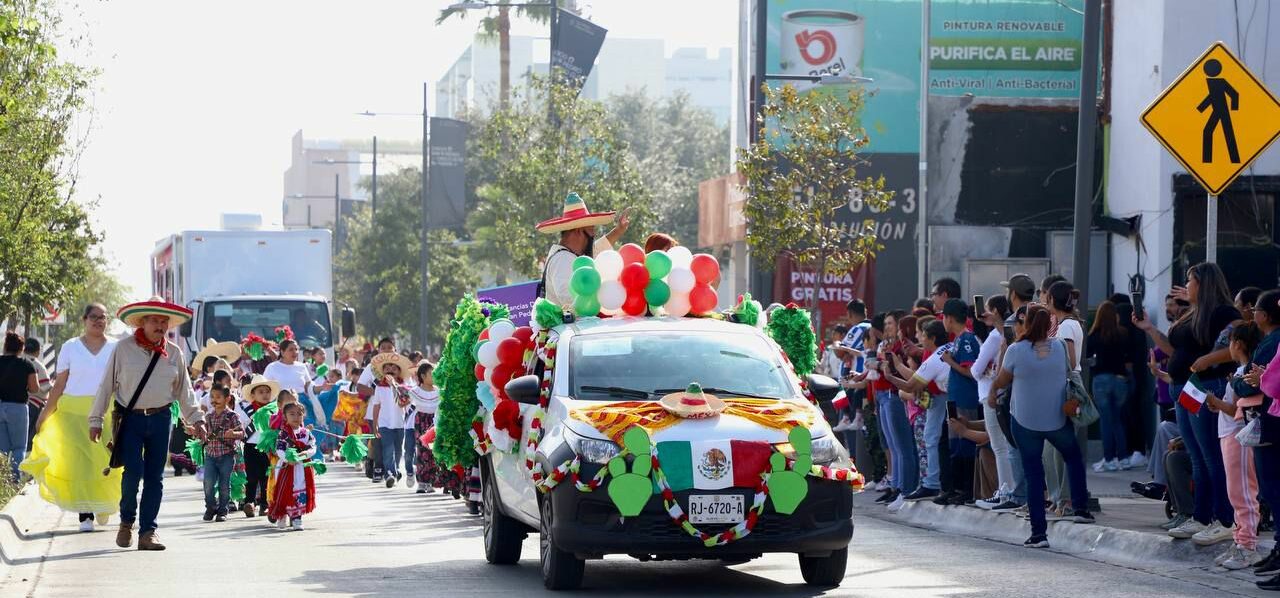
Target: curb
{"x": 15, "y": 520}
{"x": 1116, "y": 546}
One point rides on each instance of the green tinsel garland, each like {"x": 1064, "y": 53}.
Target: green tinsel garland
{"x": 195, "y": 450}
{"x": 547, "y": 314}
{"x": 457, "y": 379}
{"x": 792, "y": 329}
{"x": 238, "y": 481}
{"x": 747, "y": 310}
{"x": 353, "y": 448}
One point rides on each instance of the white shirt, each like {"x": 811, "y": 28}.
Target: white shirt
{"x": 426, "y": 401}
{"x": 391, "y": 414}
{"x": 987, "y": 365}
{"x": 86, "y": 369}
{"x": 560, "y": 270}
{"x": 1228, "y": 425}
{"x": 935, "y": 370}
{"x": 1071, "y": 330}
{"x": 290, "y": 376}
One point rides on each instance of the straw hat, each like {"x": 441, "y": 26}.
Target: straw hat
{"x": 692, "y": 403}
{"x": 225, "y": 350}
{"x": 260, "y": 380}
{"x": 133, "y": 313}
{"x": 382, "y": 360}
{"x": 574, "y": 215}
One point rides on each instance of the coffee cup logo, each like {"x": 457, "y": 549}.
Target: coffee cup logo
{"x": 821, "y": 42}
{"x": 805, "y": 40}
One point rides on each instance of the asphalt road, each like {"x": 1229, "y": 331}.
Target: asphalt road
{"x": 367, "y": 540}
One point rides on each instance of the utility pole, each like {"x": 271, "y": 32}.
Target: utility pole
{"x": 425, "y": 253}
{"x": 1087, "y": 123}
{"x": 922, "y": 184}
{"x": 374, "y": 204}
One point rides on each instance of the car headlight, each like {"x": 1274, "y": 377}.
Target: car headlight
{"x": 596, "y": 451}
{"x": 824, "y": 451}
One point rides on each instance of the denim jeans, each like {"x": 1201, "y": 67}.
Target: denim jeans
{"x": 1002, "y": 449}
{"x": 1031, "y": 445}
{"x": 1200, "y": 435}
{"x": 144, "y": 443}
{"x": 410, "y": 451}
{"x": 902, "y": 442}
{"x": 1165, "y": 431}
{"x": 217, "y": 482}
{"x": 1110, "y": 393}
{"x": 13, "y": 433}
{"x": 392, "y": 449}
{"x": 934, "y": 426}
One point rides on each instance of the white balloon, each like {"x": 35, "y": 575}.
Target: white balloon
{"x": 488, "y": 356}
{"x": 501, "y": 330}
{"x": 678, "y": 305}
{"x": 681, "y": 280}
{"x": 680, "y": 256}
{"x": 612, "y": 295}
{"x": 609, "y": 265}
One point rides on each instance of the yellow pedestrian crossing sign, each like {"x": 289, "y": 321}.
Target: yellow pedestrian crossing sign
{"x": 1215, "y": 118}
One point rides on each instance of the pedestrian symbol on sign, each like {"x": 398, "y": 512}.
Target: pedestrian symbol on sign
{"x": 1216, "y": 102}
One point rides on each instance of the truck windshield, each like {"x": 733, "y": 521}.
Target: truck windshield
{"x": 233, "y": 320}
{"x": 738, "y": 363}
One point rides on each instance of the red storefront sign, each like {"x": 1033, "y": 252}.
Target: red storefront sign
{"x": 793, "y": 284}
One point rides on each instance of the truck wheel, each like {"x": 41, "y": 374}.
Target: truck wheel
{"x": 827, "y": 571}
{"x": 503, "y": 536}
{"x": 560, "y": 570}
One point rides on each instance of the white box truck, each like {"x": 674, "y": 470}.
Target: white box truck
{"x": 242, "y": 281}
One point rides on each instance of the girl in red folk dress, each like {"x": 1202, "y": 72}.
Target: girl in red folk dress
{"x": 295, "y": 488}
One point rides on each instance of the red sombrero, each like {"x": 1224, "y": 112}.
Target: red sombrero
{"x": 575, "y": 215}
{"x": 133, "y": 313}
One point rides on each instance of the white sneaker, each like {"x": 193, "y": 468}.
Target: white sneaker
{"x": 1244, "y": 558}
{"x": 102, "y": 519}
{"x": 1212, "y": 534}
{"x": 1112, "y": 465}
{"x": 297, "y": 525}
{"x": 409, "y": 481}
{"x": 844, "y": 425}
{"x": 897, "y": 504}
{"x": 987, "y": 504}
{"x": 1227, "y": 555}
{"x": 882, "y": 485}
{"x": 1137, "y": 460}
{"x": 281, "y": 523}
{"x": 858, "y": 424}
{"x": 1100, "y": 466}
{"x": 1187, "y": 530}
{"x": 86, "y": 525}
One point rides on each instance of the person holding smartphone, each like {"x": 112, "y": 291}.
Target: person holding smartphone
{"x": 929, "y": 384}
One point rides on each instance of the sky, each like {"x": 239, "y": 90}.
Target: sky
{"x": 196, "y": 103}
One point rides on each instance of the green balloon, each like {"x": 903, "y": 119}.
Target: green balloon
{"x": 586, "y": 306}
{"x": 583, "y": 260}
{"x": 658, "y": 264}
{"x": 657, "y": 293}
{"x": 585, "y": 282}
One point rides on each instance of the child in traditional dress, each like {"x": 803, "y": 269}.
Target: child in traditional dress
{"x": 277, "y": 423}
{"x": 425, "y": 399}
{"x": 295, "y": 487}
{"x": 257, "y": 393}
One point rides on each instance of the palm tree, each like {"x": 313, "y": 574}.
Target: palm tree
{"x": 500, "y": 26}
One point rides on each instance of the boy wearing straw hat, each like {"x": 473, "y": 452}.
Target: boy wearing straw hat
{"x": 145, "y": 374}
{"x": 577, "y": 227}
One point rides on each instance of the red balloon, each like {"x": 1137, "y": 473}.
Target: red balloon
{"x": 511, "y": 351}
{"x": 525, "y": 334}
{"x": 479, "y": 371}
{"x": 484, "y": 335}
{"x": 631, "y": 253}
{"x": 706, "y": 270}
{"x": 635, "y": 304}
{"x": 634, "y": 277}
{"x": 502, "y": 374}
{"x": 702, "y": 299}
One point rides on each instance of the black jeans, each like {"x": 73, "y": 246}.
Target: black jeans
{"x": 256, "y": 469}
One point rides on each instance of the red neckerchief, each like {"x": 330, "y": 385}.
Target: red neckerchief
{"x": 145, "y": 343}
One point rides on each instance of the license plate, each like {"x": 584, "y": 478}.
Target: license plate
{"x": 716, "y": 508}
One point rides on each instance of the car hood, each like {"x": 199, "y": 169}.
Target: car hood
{"x": 723, "y": 427}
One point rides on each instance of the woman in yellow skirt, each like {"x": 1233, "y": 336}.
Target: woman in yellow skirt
{"x": 63, "y": 462}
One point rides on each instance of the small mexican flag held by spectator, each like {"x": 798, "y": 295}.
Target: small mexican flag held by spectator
{"x": 1193, "y": 394}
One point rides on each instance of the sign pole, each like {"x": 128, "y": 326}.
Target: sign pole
{"x": 922, "y": 184}
{"x": 1087, "y": 123}
{"x": 1211, "y": 229}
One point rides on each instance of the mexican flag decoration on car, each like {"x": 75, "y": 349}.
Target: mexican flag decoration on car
{"x": 713, "y": 464}
{"x": 1193, "y": 394}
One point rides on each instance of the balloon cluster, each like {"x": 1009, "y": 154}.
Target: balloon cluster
{"x": 628, "y": 281}
{"x": 500, "y": 356}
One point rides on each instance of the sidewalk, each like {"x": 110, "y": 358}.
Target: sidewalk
{"x": 1127, "y": 531}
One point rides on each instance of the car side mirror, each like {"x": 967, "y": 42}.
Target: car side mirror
{"x": 824, "y": 388}
{"x": 348, "y": 322}
{"x": 525, "y": 390}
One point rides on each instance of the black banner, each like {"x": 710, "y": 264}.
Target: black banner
{"x": 447, "y": 175}
{"x": 577, "y": 43}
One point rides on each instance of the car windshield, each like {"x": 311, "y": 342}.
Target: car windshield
{"x": 613, "y": 366}
{"x": 233, "y": 320}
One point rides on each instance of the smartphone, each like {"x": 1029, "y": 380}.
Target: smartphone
{"x": 1138, "y": 312}
{"x": 951, "y": 410}
{"x": 979, "y": 306}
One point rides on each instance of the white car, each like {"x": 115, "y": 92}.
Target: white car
{"x": 601, "y": 361}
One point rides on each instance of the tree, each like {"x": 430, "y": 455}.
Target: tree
{"x": 100, "y": 286}
{"x": 799, "y": 172}
{"x": 378, "y": 271}
{"x": 499, "y": 26}
{"x": 677, "y": 145}
{"x": 540, "y": 161}
{"x": 46, "y": 240}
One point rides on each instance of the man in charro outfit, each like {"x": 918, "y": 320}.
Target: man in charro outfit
{"x": 577, "y": 228}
